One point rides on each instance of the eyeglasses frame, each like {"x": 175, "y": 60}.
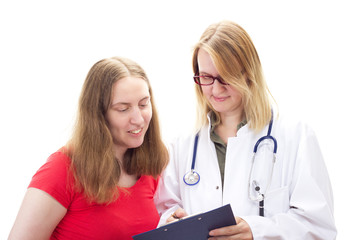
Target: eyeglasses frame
{"x": 197, "y": 80}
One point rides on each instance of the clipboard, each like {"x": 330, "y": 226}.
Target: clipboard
{"x": 195, "y": 227}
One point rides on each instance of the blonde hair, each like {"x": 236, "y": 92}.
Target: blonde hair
{"x": 93, "y": 165}
{"x": 238, "y": 63}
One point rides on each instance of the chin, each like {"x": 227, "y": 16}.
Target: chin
{"x": 136, "y": 145}
{"x": 221, "y": 110}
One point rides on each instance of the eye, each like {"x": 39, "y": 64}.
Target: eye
{"x": 122, "y": 109}
{"x": 207, "y": 77}
{"x": 144, "y": 103}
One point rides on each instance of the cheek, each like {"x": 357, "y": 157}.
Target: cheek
{"x": 206, "y": 91}
{"x": 116, "y": 122}
{"x": 234, "y": 93}
{"x": 147, "y": 116}
{"x": 117, "y": 127}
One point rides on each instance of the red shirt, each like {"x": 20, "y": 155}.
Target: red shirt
{"x": 132, "y": 213}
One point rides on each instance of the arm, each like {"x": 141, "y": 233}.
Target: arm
{"x": 167, "y": 197}
{"x": 38, "y": 216}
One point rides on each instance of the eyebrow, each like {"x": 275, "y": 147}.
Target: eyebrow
{"x": 128, "y": 104}
{"x": 208, "y": 74}
{"x": 204, "y": 73}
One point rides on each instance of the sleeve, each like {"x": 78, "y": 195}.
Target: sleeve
{"x": 167, "y": 197}
{"x": 53, "y": 178}
{"x": 311, "y": 200}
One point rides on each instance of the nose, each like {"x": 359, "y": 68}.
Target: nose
{"x": 136, "y": 116}
{"x": 217, "y": 87}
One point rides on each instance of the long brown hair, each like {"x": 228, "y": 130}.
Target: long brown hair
{"x": 238, "y": 63}
{"x": 93, "y": 162}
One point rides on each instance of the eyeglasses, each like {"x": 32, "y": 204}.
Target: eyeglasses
{"x": 207, "y": 80}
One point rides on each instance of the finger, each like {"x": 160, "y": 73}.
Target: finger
{"x": 171, "y": 219}
{"x": 179, "y": 213}
{"x": 238, "y": 220}
{"x": 240, "y": 228}
{"x": 225, "y": 231}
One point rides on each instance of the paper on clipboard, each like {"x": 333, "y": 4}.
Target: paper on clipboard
{"x": 195, "y": 227}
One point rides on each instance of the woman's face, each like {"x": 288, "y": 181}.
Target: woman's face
{"x": 130, "y": 113}
{"x": 223, "y": 98}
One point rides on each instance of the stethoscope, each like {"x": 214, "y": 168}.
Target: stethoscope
{"x": 192, "y": 177}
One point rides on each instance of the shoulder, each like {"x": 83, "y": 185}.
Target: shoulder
{"x": 295, "y": 135}
{"x": 59, "y": 158}
{"x": 180, "y": 145}
{"x": 148, "y": 182}
{"x": 284, "y": 124}
{"x": 188, "y": 137}
{"x": 53, "y": 177}
{"x": 57, "y": 162}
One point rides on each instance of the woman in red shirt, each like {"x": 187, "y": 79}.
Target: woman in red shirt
{"x": 101, "y": 184}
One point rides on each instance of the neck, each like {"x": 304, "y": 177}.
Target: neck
{"x": 126, "y": 180}
{"x": 230, "y": 120}
{"x": 119, "y": 153}
{"x": 228, "y": 125}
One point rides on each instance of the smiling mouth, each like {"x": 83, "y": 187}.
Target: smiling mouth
{"x": 219, "y": 99}
{"x": 135, "y": 131}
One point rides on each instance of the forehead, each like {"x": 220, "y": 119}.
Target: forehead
{"x": 129, "y": 89}
{"x": 205, "y": 63}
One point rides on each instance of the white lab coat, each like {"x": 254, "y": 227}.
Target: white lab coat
{"x": 298, "y": 203}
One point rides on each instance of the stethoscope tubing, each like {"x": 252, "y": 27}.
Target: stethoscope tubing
{"x": 192, "y": 178}
{"x": 195, "y": 151}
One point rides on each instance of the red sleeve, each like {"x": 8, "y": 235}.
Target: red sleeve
{"x": 53, "y": 178}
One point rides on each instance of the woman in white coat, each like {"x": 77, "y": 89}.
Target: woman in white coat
{"x": 234, "y": 106}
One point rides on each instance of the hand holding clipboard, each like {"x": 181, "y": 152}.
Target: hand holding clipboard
{"x": 195, "y": 227}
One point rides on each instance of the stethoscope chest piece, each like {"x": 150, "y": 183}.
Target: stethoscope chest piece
{"x": 191, "y": 178}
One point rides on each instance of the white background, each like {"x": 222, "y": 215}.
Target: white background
{"x": 309, "y": 51}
